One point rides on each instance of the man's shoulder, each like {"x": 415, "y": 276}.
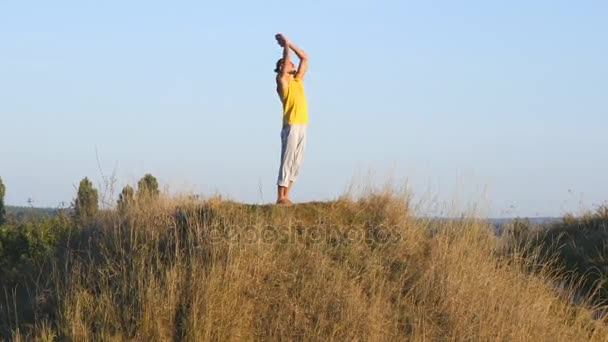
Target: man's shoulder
{"x": 282, "y": 79}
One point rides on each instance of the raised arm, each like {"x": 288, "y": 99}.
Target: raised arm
{"x": 303, "y": 66}
{"x": 286, "y": 56}
{"x": 282, "y": 74}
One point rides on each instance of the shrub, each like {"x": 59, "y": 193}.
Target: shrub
{"x": 86, "y": 203}
{"x": 28, "y": 252}
{"x": 576, "y": 247}
{"x": 147, "y": 188}
{"x": 2, "y": 207}
{"x": 125, "y": 199}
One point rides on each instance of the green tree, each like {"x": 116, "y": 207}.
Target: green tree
{"x": 86, "y": 204}
{"x": 147, "y": 188}
{"x": 2, "y": 208}
{"x": 126, "y": 198}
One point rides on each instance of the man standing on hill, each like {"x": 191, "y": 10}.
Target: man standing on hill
{"x": 295, "y": 116}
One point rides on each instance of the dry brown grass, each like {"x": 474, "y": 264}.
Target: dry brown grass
{"x": 178, "y": 269}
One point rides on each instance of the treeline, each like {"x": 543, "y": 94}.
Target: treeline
{"x": 23, "y": 214}
{"x": 85, "y": 205}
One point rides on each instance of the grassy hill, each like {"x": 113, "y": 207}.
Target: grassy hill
{"x": 352, "y": 269}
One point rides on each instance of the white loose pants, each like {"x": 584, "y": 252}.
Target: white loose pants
{"x": 293, "y": 141}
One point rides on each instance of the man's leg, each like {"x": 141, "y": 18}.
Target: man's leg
{"x": 280, "y": 193}
{"x": 288, "y": 150}
{"x": 288, "y": 189}
{"x": 300, "y": 132}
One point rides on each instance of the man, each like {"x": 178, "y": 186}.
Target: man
{"x": 295, "y": 116}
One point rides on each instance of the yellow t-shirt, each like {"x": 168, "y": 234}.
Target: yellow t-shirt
{"x": 295, "y": 109}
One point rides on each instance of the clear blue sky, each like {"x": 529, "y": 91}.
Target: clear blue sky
{"x": 501, "y": 102}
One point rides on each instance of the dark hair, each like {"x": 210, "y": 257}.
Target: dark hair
{"x": 279, "y": 65}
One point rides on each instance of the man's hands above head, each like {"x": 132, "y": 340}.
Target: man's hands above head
{"x": 286, "y": 45}
{"x": 281, "y": 40}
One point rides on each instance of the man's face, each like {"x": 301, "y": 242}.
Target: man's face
{"x": 290, "y": 68}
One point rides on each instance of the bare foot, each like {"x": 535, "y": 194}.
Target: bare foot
{"x": 284, "y": 201}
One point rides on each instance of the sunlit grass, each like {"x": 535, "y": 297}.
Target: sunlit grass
{"x": 352, "y": 269}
